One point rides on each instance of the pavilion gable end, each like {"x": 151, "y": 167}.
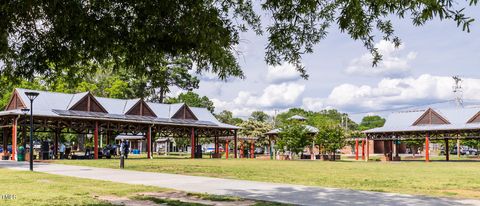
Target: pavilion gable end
{"x": 15, "y": 102}
{"x": 142, "y": 109}
{"x": 88, "y": 104}
{"x": 475, "y": 118}
{"x": 430, "y": 117}
{"x": 184, "y": 113}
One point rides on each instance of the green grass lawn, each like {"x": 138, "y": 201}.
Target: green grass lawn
{"x": 453, "y": 179}
{"x": 34, "y": 188}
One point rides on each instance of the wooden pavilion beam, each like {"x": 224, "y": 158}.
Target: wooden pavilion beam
{"x": 235, "y": 143}
{"x": 14, "y": 139}
{"x": 149, "y": 142}
{"x": 95, "y": 141}
{"x": 192, "y": 144}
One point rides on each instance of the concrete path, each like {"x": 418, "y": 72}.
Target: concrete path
{"x": 286, "y": 193}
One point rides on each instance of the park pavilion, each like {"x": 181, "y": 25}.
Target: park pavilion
{"x": 83, "y": 113}
{"x": 273, "y": 134}
{"x": 426, "y": 124}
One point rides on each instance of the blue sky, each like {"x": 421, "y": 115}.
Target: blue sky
{"x": 417, "y": 73}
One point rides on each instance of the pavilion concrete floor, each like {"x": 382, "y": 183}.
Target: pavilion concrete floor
{"x": 285, "y": 193}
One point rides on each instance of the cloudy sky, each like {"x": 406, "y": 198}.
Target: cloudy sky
{"x": 341, "y": 76}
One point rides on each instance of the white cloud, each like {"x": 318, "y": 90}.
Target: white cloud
{"x": 391, "y": 65}
{"x": 313, "y": 104}
{"x": 274, "y": 96}
{"x": 390, "y": 93}
{"x": 282, "y": 73}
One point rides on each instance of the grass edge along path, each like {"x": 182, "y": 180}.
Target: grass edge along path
{"x": 37, "y": 188}
{"x": 441, "y": 179}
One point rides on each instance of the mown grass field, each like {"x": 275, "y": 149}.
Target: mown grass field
{"x": 451, "y": 179}
{"x": 34, "y": 188}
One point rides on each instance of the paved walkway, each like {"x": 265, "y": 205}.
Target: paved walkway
{"x": 286, "y": 193}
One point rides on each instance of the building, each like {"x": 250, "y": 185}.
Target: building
{"x": 86, "y": 114}
{"x": 426, "y": 124}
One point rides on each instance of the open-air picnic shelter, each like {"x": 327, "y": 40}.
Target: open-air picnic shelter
{"x": 426, "y": 124}
{"x": 84, "y": 113}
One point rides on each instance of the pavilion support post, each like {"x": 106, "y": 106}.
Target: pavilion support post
{"x": 397, "y": 148}
{"x": 55, "y": 149}
{"x": 363, "y": 149}
{"x": 5, "y": 142}
{"x": 356, "y": 149}
{"x": 192, "y": 144}
{"x": 216, "y": 145}
{"x": 242, "y": 149}
{"x": 312, "y": 152}
{"x": 393, "y": 149}
{"x": 447, "y": 151}
{"x": 252, "y": 149}
{"x": 152, "y": 143}
{"x": 149, "y": 142}
{"x": 14, "y": 139}
{"x": 107, "y": 137}
{"x": 427, "y": 148}
{"x": 24, "y": 134}
{"x": 368, "y": 149}
{"x": 458, "y": 148}
{"x": 235, "y": 143}
{"x": 95, "y": 141}
{"x": 271, "y": 146}
{"x": 385, "y": 148}
{"x": 226, "y": 149}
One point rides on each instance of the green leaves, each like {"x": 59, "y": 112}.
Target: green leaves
{"x": 331, "y": 138}
{"x": 192, "y": 99}
{"x": 227, "y": 117}
{"x": 293, "y": 137}
{"x": 259, "y": 116}
{"x": 255, "y": 128}
{"x": 139, "y": 35}
{"x": 369, "y": 122}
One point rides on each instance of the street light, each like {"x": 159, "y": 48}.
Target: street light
{"x": 31, "y": 96}
{"x": 25, "y": 112}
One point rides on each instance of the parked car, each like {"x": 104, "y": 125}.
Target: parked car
{"x": 462, "y": 151}
{"x": 472, "y": 151}
{"x": 259, "y": 150}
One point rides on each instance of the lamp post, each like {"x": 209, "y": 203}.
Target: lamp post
{"x": 25, "y": 112}
{"x": 31, "y": 96}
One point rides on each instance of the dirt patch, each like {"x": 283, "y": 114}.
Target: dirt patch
{"x": 114, "y": 200}
{"x": 143, "y": 199}
{"x": 185, "y": 197}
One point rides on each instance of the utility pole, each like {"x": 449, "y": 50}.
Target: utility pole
{"x": 458, "y": 92}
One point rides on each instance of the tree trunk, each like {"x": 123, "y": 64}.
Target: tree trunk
{"x": 81, "y": 142}
{"x": 162, "y": 95}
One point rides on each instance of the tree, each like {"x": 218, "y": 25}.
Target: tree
{"x": 136, "y": 34}
{"x": 369, "y": 122}
{"x": 414, "y": 145}
{"x": 192, "y": 99}
{"x": 255, "y": 128}
{"x": 293, "y": 137}
{"x": 259, "y": 116}
{"x": 227, "y": 117}
{"x": 331, "y": 138}
{"x": 165, "y": 74}
{"x": 7, "y": 86}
